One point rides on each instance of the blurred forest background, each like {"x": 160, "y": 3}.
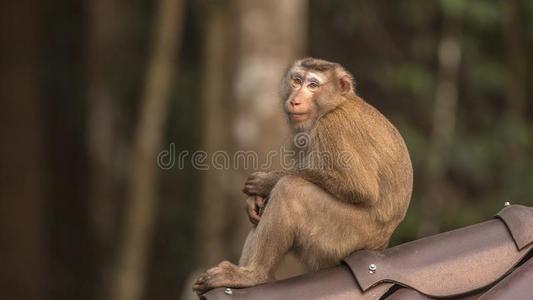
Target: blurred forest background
{"x": 93, "y": 91}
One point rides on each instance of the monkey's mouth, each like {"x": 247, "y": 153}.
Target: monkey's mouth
{"x": 297, "y": 116}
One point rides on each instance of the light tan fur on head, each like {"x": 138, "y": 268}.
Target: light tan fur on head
{"x": 335, "y": 85}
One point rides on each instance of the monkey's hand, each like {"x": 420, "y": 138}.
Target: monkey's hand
{"x": 260, "y": 183}
{"x": 254, "y": 207}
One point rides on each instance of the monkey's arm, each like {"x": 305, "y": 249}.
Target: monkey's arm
{"x": 345, "y": 182}
{"x": 261, "y": 183}
{"x": 352, "y": 190}
{"x": 349, "y": 175}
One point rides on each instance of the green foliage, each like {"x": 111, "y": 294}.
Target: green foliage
{"x": 416, "y": 80}
{"x": 487, "y": 77}
{"x": 453, "y": 8}
{"x": 482, "y": 12}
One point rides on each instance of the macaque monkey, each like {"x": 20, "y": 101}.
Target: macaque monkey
{"x": 322, "y": 213}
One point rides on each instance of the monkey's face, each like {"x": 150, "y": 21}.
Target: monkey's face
{"x": 309, "y": 95}
{"x": 300, "y": 105}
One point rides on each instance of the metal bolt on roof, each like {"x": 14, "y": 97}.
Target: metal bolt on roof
{"x": 372, "y": 268}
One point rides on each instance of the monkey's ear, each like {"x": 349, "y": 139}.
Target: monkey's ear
{"x": 345, "y": 84}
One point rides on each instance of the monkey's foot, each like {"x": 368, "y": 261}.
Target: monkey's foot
{"x": 227, "y": 274}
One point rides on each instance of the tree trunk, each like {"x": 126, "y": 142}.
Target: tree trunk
{"x": 514, "y": 170}
{"x": 216, "y": 108}
{"x": 269, "y": 36}
{"x": 102, "y": 33}
{"x": 23, "y": 154}
{"x": 443, "y": 128}
{"x": 215, "y": 200}
{"x": 272, "y": 33}
{"x": 517, "y": 61}
{"x": 102, "y": 36}
{"x": 142, "y": 190}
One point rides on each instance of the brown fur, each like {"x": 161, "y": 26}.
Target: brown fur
{"x": 323, "y": 214}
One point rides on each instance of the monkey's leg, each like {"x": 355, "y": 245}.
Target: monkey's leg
{"x": 264, "y": 248}
{"x": 299, "y": 215}
{"x": 319, "y": 228}
{"x": 245, "y": 254}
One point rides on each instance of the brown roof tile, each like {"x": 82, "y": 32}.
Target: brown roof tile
{"x": 463, "y": 263}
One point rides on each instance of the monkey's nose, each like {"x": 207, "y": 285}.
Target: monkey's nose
{"x": 295, "y": 102}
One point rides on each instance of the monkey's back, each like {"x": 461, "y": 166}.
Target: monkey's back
{"x": 389, "y": 151}
{"x": 380, "y": 151}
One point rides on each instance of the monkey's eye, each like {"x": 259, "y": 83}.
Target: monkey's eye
{"x": 313, "y": 86}
{"x": 296, "y": 82}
